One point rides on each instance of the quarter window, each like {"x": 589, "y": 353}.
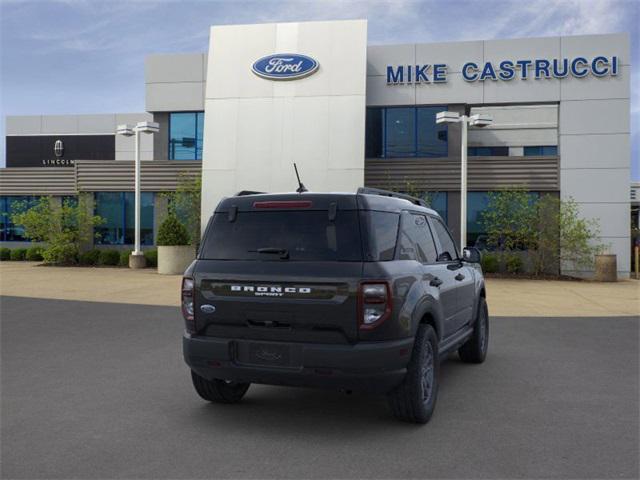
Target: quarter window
{"x": 416, "y": 241}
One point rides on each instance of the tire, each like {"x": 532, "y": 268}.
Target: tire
{"x": 414, "y": 400}
{"x": 474, "y": 350}
{"x": 219, "y": 391}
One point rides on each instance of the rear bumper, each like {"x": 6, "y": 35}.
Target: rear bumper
{"x": 366, "y": 366}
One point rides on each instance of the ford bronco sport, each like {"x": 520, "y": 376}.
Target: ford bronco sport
{"x": 363, "y": 291}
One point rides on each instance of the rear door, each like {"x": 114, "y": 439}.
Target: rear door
{"x": 455, "y": 274}
{"x": 280, "y": 274}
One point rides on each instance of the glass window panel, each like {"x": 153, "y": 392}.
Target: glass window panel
{"x": 199, "y": 134}
{"x": 438, "y": 202}
{"x": 383, "y": 230}
{"x": 373, "y": 132}
{"x": 551, "y": 150}
{"x": 109, "y": 207}
{"x": 146, "y": 218}
{"x": 432, "y": 137}
{"x": 400, "y": 132}
{"x": 182, "y": 136}
{"x": 532, "y": 151}
{"x": 477, "y": 202}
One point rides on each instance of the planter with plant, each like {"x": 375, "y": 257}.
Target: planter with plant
{"x": 174, "y": 250}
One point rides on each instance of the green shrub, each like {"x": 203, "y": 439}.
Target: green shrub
{"x": 490, "y": 263}
{"x": 90, "y": 257}
{"x": 152, "y": 258}
{"x": 5, "y": 254}
{"x": 61, "y": 254}
{"x": 109, "y": 257}
{"x": 513, "y": 263}
{"x": 124, "y": 258}
{"x": 18, "y": 254}
{"x": 172, "y": 232}
{"x": 34, "y": 254}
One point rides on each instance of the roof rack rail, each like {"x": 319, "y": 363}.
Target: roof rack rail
{"x": 389, "y": 193}
{"x": 242, "y": 193}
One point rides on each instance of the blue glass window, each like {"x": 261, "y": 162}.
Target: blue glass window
{"x": 185, "y": 135}
{"x": 117, "y": 209}
{"x": 438, "y": 202}
{"x": 488, "y": 151}
{"x": 541, "y": 151}
{"x": 405, "y": 132}
{"x": 9, "y": 232}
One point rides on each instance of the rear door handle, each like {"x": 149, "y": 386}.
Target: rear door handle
{"x": 435, "y": 282}
{"x": 459, "y": 277}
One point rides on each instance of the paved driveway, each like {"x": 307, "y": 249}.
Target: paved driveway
{"x": 97, "y": 390}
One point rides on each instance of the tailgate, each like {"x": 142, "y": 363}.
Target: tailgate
{"x": 275, "y": 300}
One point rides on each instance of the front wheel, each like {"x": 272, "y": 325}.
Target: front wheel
{"x": 415, "y": 398}
{"x": 219, "y": 391}
{"x": 474, "y": 350}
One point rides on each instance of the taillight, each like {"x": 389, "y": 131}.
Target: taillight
{"x": 374, "y": 302}
{"x": 187, "y": 304}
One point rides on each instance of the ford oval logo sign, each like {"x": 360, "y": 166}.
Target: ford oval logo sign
{"x": 285, "y": 66}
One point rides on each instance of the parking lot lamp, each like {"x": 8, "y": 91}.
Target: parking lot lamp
{"x": 477, "y": 120}
{"x": 136, "y": 259}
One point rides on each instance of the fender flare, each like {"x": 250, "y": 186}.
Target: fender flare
{"x": 428, "y": 307}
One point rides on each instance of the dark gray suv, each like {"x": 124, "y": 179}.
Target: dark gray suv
{"x": 363, "y": 291}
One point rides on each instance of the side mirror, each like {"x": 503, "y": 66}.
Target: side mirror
{"x": 471, "y": 255}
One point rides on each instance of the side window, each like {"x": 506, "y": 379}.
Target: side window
{"x": 447, "y": 245}
{"x": 383, "y": 230}
{"x": 416, "y": 241}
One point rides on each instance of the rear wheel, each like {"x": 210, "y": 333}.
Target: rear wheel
{"x": 475, "y": 349}
{"x": 415, "y": 398}
{"x": 219, "y": 391}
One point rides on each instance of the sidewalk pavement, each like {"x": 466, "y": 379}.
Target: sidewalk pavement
{"x": 506, "y": 297}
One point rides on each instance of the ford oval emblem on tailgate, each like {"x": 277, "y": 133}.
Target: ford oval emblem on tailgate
{"x": 206, "y": 308}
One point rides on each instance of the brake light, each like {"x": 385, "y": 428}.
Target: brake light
{"x": 283, "y": 204}
{"x": 374, "y": 304}
{"x": 187, "y": 304}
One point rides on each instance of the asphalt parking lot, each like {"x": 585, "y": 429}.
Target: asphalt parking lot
{"x": 99, "y": 390}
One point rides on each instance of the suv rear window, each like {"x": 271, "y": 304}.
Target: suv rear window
{"x": 304, "y": 235}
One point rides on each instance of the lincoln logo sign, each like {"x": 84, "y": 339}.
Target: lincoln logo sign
{"x": 285, "y": 66}
{"x": 58, "y": 148}
{"x": 505, "y": 70}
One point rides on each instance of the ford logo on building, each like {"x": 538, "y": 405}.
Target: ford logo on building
{"x": 285, "y": 66}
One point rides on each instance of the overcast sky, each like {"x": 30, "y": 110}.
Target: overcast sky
{"x": 84, "y": 56}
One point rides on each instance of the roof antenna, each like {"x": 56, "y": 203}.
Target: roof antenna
{"x": 301, "y": 188}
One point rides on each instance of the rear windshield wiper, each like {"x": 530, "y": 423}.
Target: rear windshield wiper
{"x": 283, "y": 252}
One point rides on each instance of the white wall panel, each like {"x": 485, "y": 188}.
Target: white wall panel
{"x": 593, "y": 45}
{"x": 379, "y": 56}
{"x": 594, "y": 117}
{"x": 453, "y": 54}
{"x": 596, "y": 185}
{"x": 23, "y": 125}
{"x": 595, "y": 151}
{"x": 256, "y": 128}
{"x": 174, "y": 97}
{"x": 593, "y": 88}
{"x": 455, "y": 90}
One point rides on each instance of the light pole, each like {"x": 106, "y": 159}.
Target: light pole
{"x": 477, "y": 120}
{"x": 136, "y": 259}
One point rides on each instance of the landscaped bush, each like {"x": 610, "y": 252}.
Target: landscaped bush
{"x": 151, "y": 257}
{"x": 124, "y": 258}
{"x": 490, "y": 263}
{"x": 513, "y": 263}
{"x": 172, "y": 232}
{"x": 34, "y": 254}
{"x": 61, "y": 254}
{"x": 18, "y": 254}
{"x": 109, "y": 257}
{"x": 5, "y": 254}
{"x": 90, "y": 257}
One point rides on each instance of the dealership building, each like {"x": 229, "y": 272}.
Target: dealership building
{"x": 349, "y": 114}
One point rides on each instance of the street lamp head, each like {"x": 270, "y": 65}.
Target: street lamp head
{"x": 480, "y": 120}
{"x": 148, "y": 127}
{"x": 124, "y": 129}
{"x": 447, "y": 117}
